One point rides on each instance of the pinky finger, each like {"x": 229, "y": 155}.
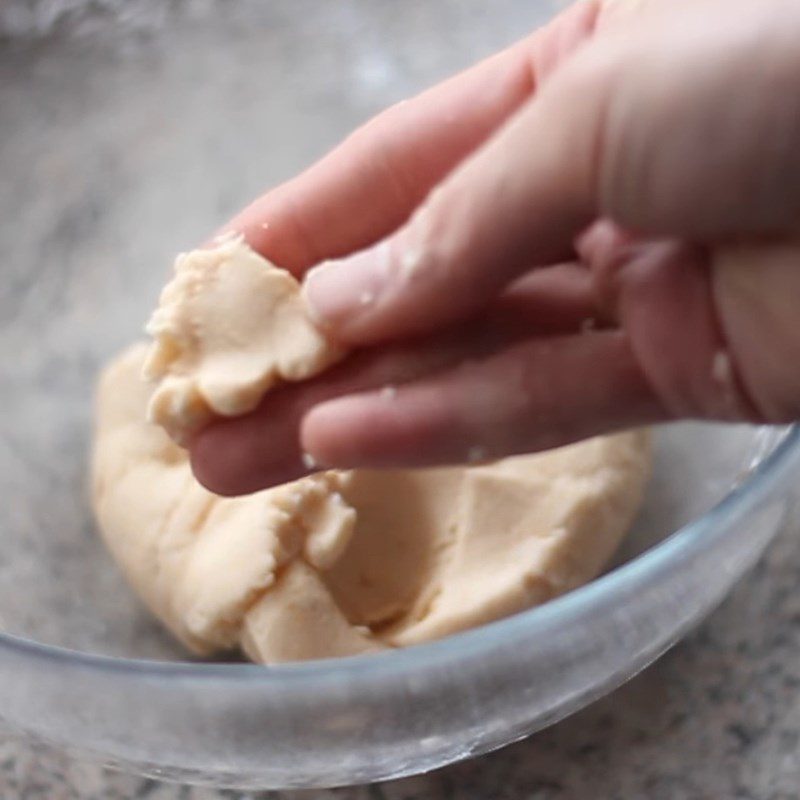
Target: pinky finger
{"x": 536, "y": 395}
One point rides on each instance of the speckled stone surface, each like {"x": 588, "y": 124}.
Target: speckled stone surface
{"x": 106, "y": 109}
{"x": 718, "y": 718}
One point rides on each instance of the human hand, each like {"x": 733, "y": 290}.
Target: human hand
{"x": 636, "y": 168}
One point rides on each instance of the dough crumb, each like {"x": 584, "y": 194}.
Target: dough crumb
{"x": 383, "y": 257}
{"x": 475, "y": 454}
{"x": 410, "y": 262}
{"x": 721, "y": 368}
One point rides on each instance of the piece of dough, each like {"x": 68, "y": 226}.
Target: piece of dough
{"x": 344, "y": 563}
{"x": 228, "y": 327}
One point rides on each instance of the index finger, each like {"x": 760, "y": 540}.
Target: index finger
{"x": 370, "y": 184}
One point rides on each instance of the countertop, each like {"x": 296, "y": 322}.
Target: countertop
{"x": 717, "y": 718}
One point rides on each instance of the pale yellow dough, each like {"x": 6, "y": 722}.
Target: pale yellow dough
{"x": 227, "y": 328}
{"x": 336, "y": 563}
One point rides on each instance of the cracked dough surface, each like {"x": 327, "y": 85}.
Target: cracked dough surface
{"x": 337, "y": 563}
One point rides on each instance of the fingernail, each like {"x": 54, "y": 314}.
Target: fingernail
{"x": 336, "y": 291}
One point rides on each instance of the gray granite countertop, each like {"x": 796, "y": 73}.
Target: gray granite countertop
{"x": 717, "y": 718}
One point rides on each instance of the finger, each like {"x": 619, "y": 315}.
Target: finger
{"x": 661, "y": 292}
{"x": 245, "y": 454}
{"x": 370, "y": 184}
{"x": 533, "y": 396}
{"x": 547, "y": 302}
{"x": 664, "y": 298}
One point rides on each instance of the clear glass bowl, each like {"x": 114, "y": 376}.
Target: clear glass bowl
{"x": 129, "y": 131}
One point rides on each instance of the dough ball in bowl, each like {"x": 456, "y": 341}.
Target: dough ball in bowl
{"x": 341, "y": 563}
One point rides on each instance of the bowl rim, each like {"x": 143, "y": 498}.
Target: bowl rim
{"x": 681, "y": 544}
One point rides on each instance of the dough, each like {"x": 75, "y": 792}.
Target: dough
{"x": 211, "y": 361}
{"x": 350, "y": 562}
{"x": 337, "y": 563}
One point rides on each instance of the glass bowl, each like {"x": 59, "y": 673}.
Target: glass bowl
{"x": 130, "y": 130}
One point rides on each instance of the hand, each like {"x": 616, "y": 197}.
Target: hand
{"x": 595, "y": 229}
